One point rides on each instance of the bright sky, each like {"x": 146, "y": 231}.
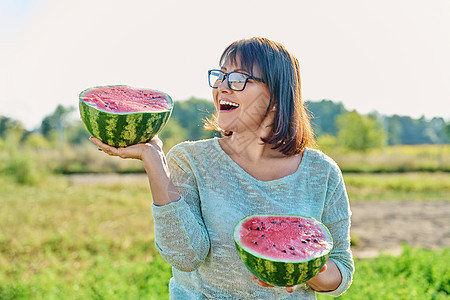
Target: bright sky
{"x": 391, "y": 56}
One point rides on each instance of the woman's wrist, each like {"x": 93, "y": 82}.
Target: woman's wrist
{"x": 328, "y": 280}
{"x": 161, "y": 185}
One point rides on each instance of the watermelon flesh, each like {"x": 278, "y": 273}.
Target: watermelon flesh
{"x": 121, "y": 115}
{"x": 123, "y": 99}
{"x": 284, "y": 238}
{"x": 282, "y": 250}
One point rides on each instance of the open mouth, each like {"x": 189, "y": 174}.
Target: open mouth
{"x": 227, "y": 105}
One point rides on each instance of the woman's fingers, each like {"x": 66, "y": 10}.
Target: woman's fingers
{"x": 133, "y": 151}
{"x": 104, "y": 147}
{"x": 260, "y": 282}
{"x": 289, "y": 289}
{"x": 264, "y": 284}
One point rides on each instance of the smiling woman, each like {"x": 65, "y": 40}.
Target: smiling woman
{"x": 264, "y": 164}
{"x": 274, "y": 89}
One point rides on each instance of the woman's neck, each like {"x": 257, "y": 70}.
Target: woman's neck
{"x": 249, "y": 147}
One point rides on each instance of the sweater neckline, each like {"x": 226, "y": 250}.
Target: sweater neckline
{"x": 239, "y": 169}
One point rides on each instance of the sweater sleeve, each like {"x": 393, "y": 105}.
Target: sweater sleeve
{"x": 336, "y": 217}
{"x": 180, "y": 234}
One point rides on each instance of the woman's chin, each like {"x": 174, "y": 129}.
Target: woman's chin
{"x": 227, "y": 124}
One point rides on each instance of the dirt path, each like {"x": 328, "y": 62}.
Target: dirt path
{"x": 386, "y": 226}
{"x": 376, "y": 226}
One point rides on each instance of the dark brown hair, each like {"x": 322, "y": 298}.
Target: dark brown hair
{"x": 280, "y": 70}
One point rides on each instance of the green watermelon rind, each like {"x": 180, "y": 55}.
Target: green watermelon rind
{"x": 281, "y": 272}
{"x": 123, "y": 129}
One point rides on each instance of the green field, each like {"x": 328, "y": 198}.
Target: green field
{"x": 410, "y": 186}
{"x": 61, "y": 240}
{"x": 416, "y": 274}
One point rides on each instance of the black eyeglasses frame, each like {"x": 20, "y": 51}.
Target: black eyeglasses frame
{"x": 247, "y": 77}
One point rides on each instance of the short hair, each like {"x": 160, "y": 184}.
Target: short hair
{"x": 280, "y": 70}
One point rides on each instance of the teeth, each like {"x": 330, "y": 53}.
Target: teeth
{"x": 224, "y": 102}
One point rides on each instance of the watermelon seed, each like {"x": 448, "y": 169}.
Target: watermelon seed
{"x": 256, "y": 243}
{"x": 273, "y": 245}
{"x": 300, "y": 225}
{"x": 293, "y": 253}
{"x": 273, "y": 222}
{"x": 262, "y": 235}
{"x": 308, "y": 240}
{"x": 304, "y": 242}
{"x": 284, "y": 251}
{"x": 315, "y": 240}
{"x": 249, "y": 228}
{"x": 291, "y": 248}
{"x": 258, "y": 228}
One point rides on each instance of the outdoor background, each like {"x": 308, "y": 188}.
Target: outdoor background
{"x": 76, "y": 223}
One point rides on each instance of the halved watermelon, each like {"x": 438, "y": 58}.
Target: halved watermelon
{"x": 121, "y": 115}
{"x": 282, "y": 250}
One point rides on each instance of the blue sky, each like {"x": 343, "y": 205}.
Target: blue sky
{"x": 388, "y": 56}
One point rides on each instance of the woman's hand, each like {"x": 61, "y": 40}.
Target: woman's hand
{"x": 326, "y": 281}
{"x": 139, "y": 151}
{"x": 289, "y": 289}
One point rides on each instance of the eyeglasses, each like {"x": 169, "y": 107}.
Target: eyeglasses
{"x": 236, "y": 80}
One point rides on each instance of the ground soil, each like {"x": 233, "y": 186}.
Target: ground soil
{"x": 385, "y": 226}
{"x": 377, "y": 227}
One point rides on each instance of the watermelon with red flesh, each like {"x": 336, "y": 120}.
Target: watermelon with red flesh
{"x": 282, "y": 250}
{"x": 121, "y": 115}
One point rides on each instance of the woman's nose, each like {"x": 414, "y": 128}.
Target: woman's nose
{"x": 223, "y": 86}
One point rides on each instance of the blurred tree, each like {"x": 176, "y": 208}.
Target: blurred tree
{"x": 435, "y": 131}
{"x": 76, "y": 133}
{"x": 172, "y": 134}
{"x": 326, "y": 142}
{"x": 358, "y": 132}
{"x": 394, "y": 131}
{"x": 11, "y": 132}
{"x": 57, "y": 122}
{"x": 36, "y": 140}
{"x": 190, "y": 114}
{"x": 447, "y": 131}
{"x": 324, "y": 114}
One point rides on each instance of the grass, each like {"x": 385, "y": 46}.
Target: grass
{"x": 64, "y": 241}
{"x": 416, "y": 274}
{"x": 27, "y": 164}
{"x": 402, "y": 158}
{"x": 61, "y": 240}
{"x": 411, "y": 186}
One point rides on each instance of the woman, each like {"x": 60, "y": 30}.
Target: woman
{"x": 264, "y": 163}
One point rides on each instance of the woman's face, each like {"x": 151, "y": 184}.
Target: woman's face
{"x": 248, "y": 106}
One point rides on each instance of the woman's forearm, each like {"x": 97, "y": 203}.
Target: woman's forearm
{"x": 328, "y": 280}
{"x": 161, "y": 186}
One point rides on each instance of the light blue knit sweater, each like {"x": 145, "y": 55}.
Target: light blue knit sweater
{"x": 195, "y": 234}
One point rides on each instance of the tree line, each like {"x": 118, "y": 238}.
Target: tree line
{"x": 329, "y": 116}
{"x": 333, "y": 125}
